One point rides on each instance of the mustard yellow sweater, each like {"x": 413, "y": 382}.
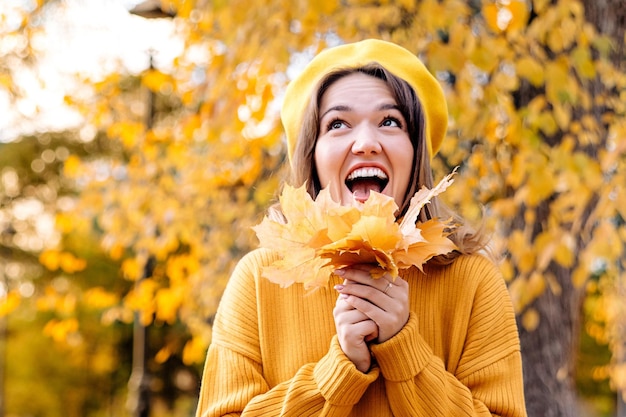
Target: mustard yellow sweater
{"x": 275, "y": 350}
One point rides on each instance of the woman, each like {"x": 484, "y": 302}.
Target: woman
{"x": 442, "y": 342}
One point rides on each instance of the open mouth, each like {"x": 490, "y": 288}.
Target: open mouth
{"x": 362, "y": 181}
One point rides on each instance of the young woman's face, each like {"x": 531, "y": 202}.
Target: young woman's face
{"x": 363, "y": 143}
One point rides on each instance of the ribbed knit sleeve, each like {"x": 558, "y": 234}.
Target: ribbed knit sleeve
{"x": 486, "y": 379}
{"x": 234, "y": 381}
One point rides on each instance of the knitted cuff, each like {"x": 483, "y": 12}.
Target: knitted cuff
{"x": 403, "y": 356}
{"x": 339, "y": 382}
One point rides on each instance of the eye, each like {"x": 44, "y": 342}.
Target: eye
{"x": 391, "y": 122}
{"x": 335, "y": 124}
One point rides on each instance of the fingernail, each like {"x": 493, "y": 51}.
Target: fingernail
{"x": 343, "y": 296}
{"x": 340, "y": 272}
{"x": 339, "y": 287}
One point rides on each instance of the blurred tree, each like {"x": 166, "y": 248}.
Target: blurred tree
{"x": 19, "y": 28}
{"x": 570, "y": 235}
{"x": 65, "y": 296}
{"x": 55, "y": 301}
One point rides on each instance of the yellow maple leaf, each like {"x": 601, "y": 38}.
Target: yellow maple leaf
{"x": 9, "y": 302}
{"x": 490, "y": 14}
{"x": 418, "y": 201}
{"x": 433, "y": 241}
{"x": 505, "y": 16}
{"x": 54, "y": 260}
{"x": 379, "y": 232}
{"x": 194, "y": 350}
{"x": 318, "y": 236}
{"x": 156, "y": 80}
{"x": 530, "y": 319}
{"x": 529, "y": 68}
{"x": 99, "y": 298}
{"x": 299, "y": 265}
{"x": 60, "y": 330}
{"x": 302, "y": 221}
{"x": 371, "y": 240}
{"x": 168, "y": 302}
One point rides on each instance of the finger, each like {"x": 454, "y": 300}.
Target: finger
{"x": 372, "y": 336}
{"x": 357, "y": 273}
{"x": 367, "y": 291}
{"x": 344, "y": 313}
{"x": 378, "y": 293}
{"x": 358, "y": 333}
{"x": 361, "y": 274}
{"x": 389, "y": 322}
{"x": 350, "y": 316}
{"x": 365, "y": 307}
{"x": 352, "y": 324}
{"x": 372, "y": 301}
{"x": 389, "y": 285}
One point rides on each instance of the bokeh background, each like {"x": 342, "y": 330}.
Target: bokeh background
{"x": 140, "y": 141}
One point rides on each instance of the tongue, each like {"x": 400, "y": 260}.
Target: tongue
{"x": 361, "y": 189}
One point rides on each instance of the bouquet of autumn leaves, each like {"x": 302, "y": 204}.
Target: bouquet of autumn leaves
{"x": 321, "y": 235}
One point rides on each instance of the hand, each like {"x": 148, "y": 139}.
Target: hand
{"x": 381, "y": 300}
{"x": 354, "y": 330}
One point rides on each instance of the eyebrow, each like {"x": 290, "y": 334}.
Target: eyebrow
{"x": 341, "y": 107}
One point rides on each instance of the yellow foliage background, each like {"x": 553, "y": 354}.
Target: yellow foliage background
{"x": 175, "y": 200}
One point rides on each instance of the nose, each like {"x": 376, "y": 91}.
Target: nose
{"x": 366, "y": 141}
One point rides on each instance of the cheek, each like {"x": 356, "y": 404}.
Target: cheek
{"x": 404, "y": 164}
{"x": 326, "y": 162}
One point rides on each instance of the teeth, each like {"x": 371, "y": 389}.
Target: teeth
{"x": 367, "y": 173}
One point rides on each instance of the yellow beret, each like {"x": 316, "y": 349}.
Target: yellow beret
{"x": 392, "y": 57}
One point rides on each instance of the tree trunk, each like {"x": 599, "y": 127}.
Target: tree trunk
{"x": 609, "y": 18}
{"x": 549, "y": 351}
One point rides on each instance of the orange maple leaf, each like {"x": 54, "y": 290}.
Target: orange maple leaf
{"x": 319, "y": 236}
